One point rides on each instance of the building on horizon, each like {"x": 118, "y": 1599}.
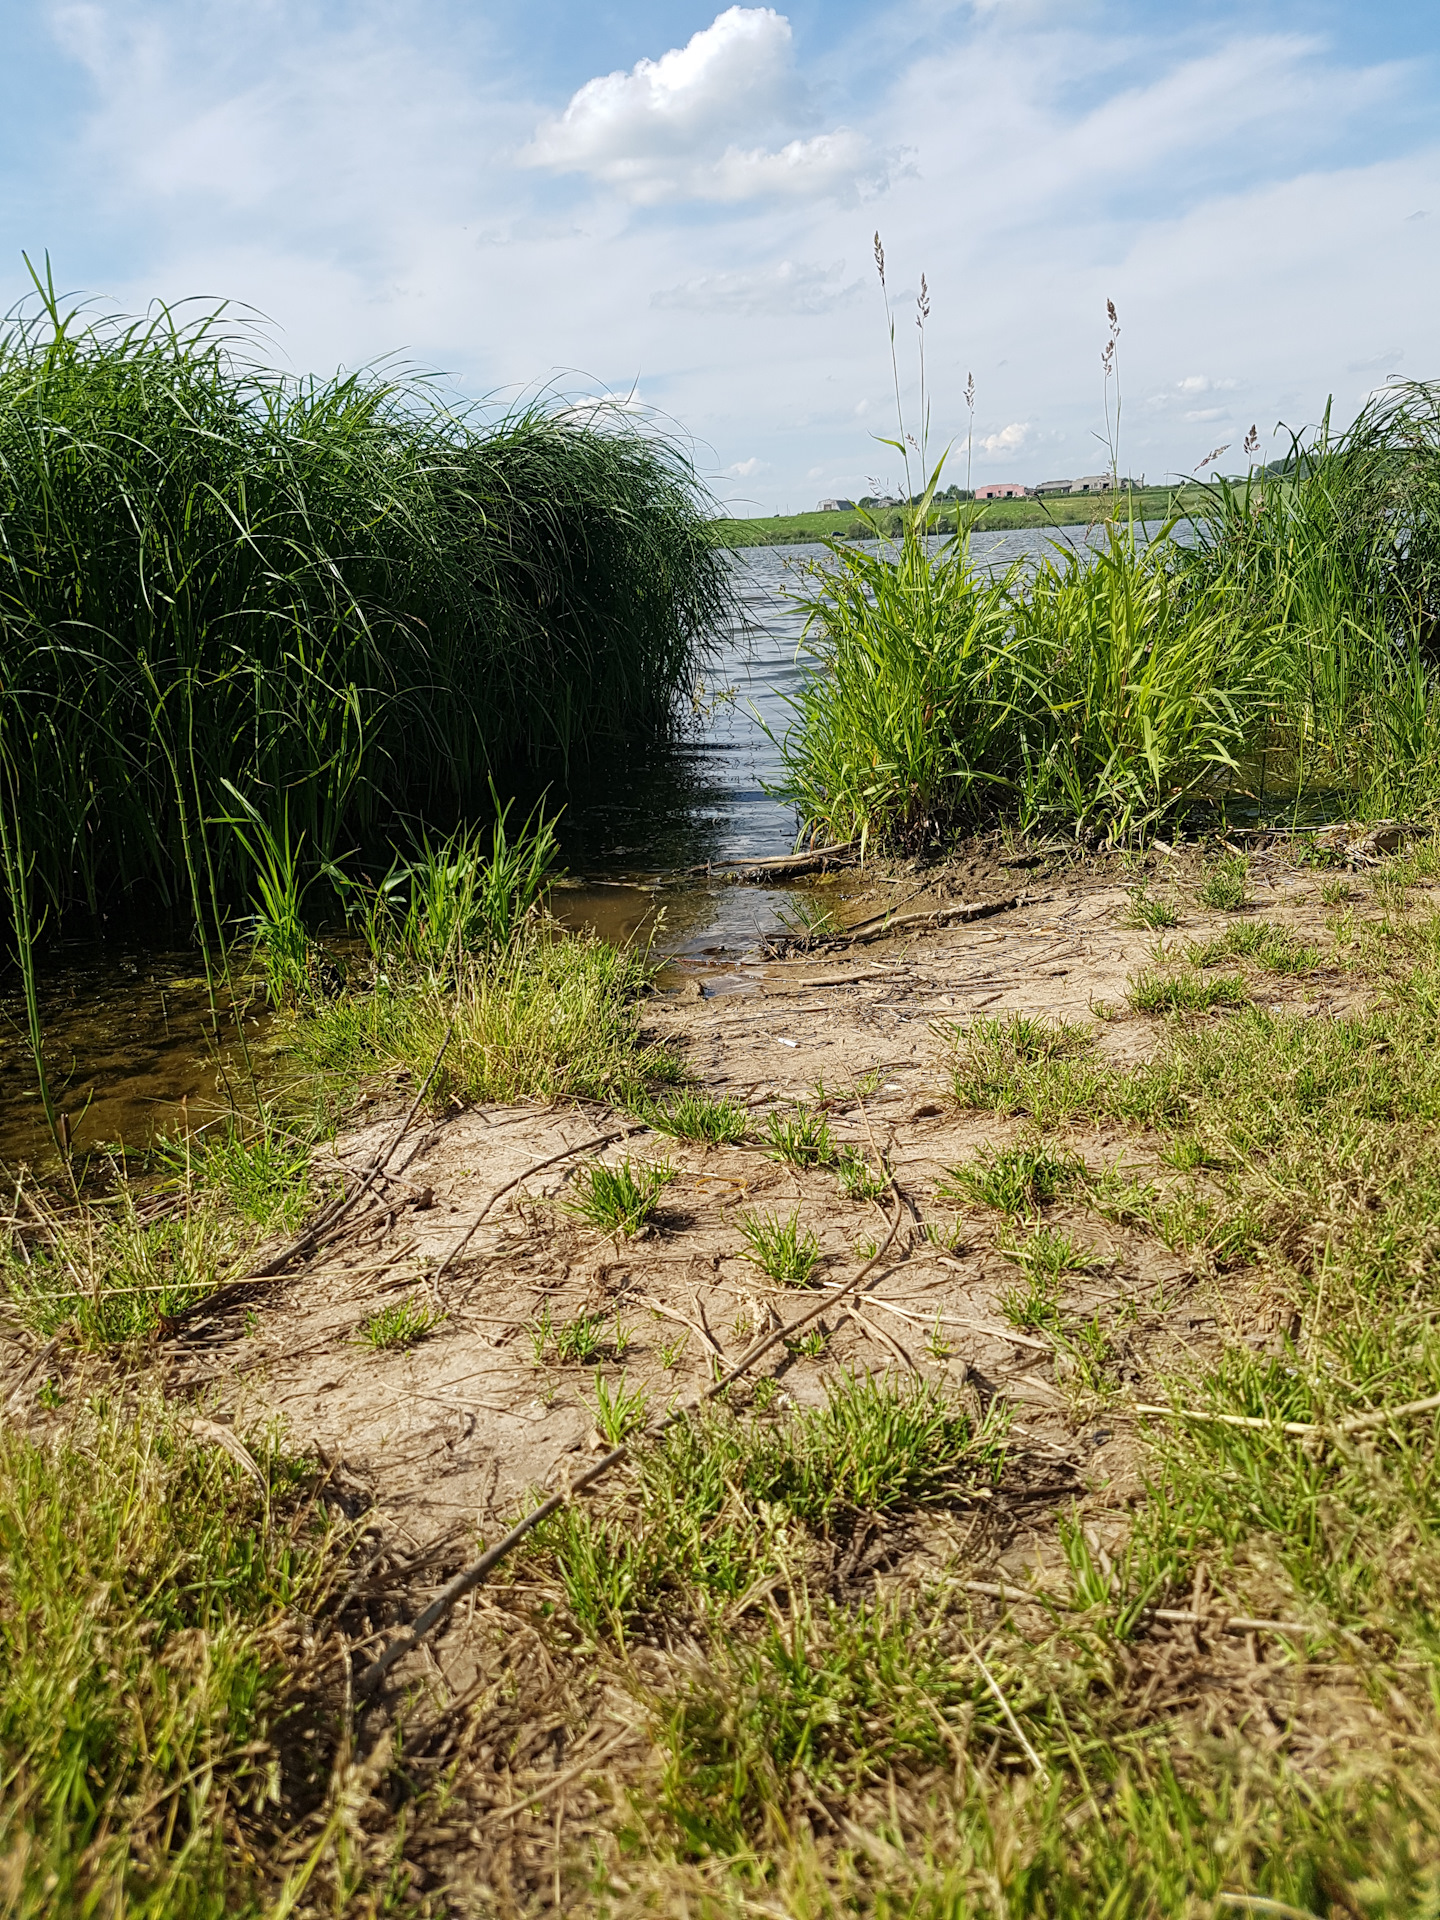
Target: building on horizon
{"x": 1054, "y": 486}
{"x": 1002, "y": 490}
{"x": 836, "y": 506}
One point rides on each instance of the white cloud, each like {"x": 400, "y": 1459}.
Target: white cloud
{"x": 1011, "y": 439}
{"x": 791, "y": 287}
{"x": 703, "y": 122}
{"x": 353, "y": 173}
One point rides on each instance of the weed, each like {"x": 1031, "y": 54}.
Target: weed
{"x": 810, "y": 1345}
{"x": 803, "y": 1138}
{"x": 670, "y": 1352}
{"x": 1015, "y": 1179}
{"x": 1025, "y": 1063}
{"x": 1223, "y": 888}
{"x": 1276, "y": 949}
{"x": 808, "y": 921}
{"x": 619, "y": 1199}
{"x": 765, "y": 1393}
{"x": 541, "y": 1331}
{"x": 780, "y": 1249}
{"x": 1047, "y": 1252}
{"x": 1034, "y": 1305}
{"x": 1145, "y": 910}
{"x": 1092, "y": 1354}
{"x": 938, "y": 1344}
{"x": 698, "y": 1116}
{"x": 858, "y": 1180}
{"x": 1185, "y": 990}
{"x": 619, "y": 1413}
{"x": 1335, "y": 893}
{"x": 402, "y": 1324}
{"x": 579, "y": 1340}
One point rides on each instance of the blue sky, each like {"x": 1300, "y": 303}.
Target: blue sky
{"x": 679, "y": 201}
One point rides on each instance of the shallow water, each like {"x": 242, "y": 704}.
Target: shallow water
{"x": 127, "y": 1028}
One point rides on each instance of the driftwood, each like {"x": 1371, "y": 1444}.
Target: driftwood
{"x": 883, "y": 925}
{"x": 783, "y": 866}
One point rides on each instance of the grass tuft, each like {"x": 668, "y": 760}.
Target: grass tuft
{"x": 720, "y": 1122}
{"x": 1015, "y": 1179}
{"x": 780, "y": 1249}
{"x": 802, "y": 1138}
{"x": 620, "y": 1199}
{"x": 402, "y": 1324}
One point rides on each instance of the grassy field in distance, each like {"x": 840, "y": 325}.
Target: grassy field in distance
{"x": 998, "y": 516}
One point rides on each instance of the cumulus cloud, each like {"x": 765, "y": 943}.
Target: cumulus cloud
{"x": 791, "y": 287}
{"x": 706, "y": 121}
{"x": 1012, "y": 439}
{"x": 747, "y": 469}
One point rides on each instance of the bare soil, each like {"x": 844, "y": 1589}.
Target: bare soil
{"x": 449, "y": 1435}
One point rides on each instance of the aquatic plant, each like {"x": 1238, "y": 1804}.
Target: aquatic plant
{"x": 339, "y": 595}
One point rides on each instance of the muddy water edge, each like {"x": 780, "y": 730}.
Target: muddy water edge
{"x": 135, "y": 1051}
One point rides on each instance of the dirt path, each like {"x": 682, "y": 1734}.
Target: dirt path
{"x": 450, "y": 1433}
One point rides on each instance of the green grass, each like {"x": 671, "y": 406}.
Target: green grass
{"x": 1184, "y": 990}
{"x": 109, "y": 1272}
{"x": 549, "y": 1019}
{"x": 802, "y": 1138}
{"x": 1275, "y": 949}
{"x": 152, "y": 1602}
{"x": 620, "y": 1411}
{"x": 1024, "y": 1063}
{"x": 702, "y": 1520}
{"x": 620, "y": 1199}
{"x": 780, "y": 1249}
{"x": 401, "y": 1325}
{"x": 220, "y": 579}
{"x": 690, "y": 1115}
{"x": 858, "y": 1179}
{"x": 1015, "y": 1179}
{"x": 1224, "y": 885}
{"x": 1145, "y": 910}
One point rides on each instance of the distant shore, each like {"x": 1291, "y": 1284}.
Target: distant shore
{"x": 996, "y": 516}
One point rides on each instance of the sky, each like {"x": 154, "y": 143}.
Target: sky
{"x": 677, "y": 206}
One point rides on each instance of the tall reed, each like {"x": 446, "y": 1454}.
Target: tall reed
{"x": 338, "y": 595}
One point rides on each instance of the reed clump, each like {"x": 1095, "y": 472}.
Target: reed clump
{"x": 342, "y": 598}
{"x": 1285, "y": 647}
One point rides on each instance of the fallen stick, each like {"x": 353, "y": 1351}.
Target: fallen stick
{"x": 456, "y": 1589}
{"x": 783, "y": 863}
{"x": 882, "y": 927}
{"x": 538, "y": 1166}
{"x": 1173, "y": 1616}
{"x": 1356, "y": 1424}
{"x": 587, "y": 1765}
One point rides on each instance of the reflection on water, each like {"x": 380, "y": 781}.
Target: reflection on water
{"x": 701, "y": 797}
{"x": 127, "y": 1029}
